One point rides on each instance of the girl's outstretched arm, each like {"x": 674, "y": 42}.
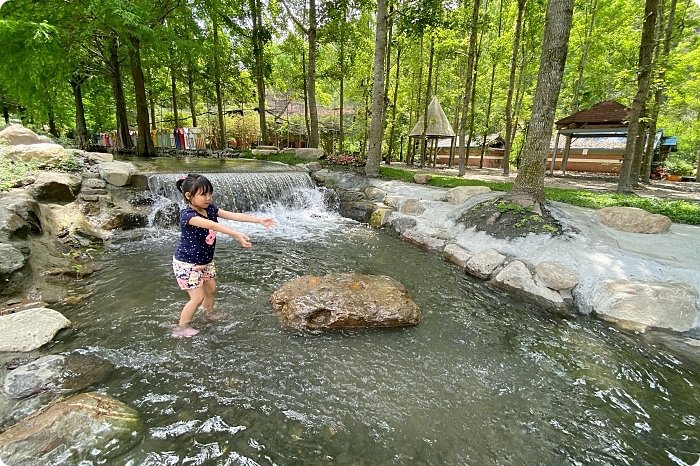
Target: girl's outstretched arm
{"x": 210, "y": 225}
{"x": 268, "y": 223}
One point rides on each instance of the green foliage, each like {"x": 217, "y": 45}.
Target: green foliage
{"x": 71, "y": 164}
{"x": 503, "y": 207}
{"x": 12, "y": 172}
{"x": 289, "y": 159}
{"x": 678, "y": 167}
{"x": 678, "y": 211}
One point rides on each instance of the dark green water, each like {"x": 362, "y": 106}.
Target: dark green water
{"x": 483, "y": 379}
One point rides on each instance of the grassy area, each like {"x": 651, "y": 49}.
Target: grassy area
{"x": 678, "y": 211}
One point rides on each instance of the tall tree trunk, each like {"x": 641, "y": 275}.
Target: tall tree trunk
{"x": 420, "y": 79}
{"x": 584, "y": 58}
{"x": 510, "y": 129}
{"x": 259, "y": 69}
{"x": 144, "y": 143}
{"x": 6, "y": 114}
{"x": 528, "y": 188}
{"x": 423, "y": 145}
{"x": 313, "y": 113}
{"x": 646, "y": 49}
{"x": 217, "y": 84}
{"x": 365, "y": 134}
{"x": 151, "y": 100}
{"x": 306, "y": 98}
{"x": 658, "y": 94}
{"x": 190, "y": 91}
{"x": 81, "y": 137}
{"x": 52, "y": 122}
{"x": 123, "y": 140}
{"x": 173, "y": 90}
{"x": 490, "y": 100}
{"x": 472, "y": 104}
{"x": 387, "y": 72}
{"x": 376, "y": 132}
{"x": 468, "y": 88}
{"x": 393, "y": 105}
{"x": 341, "y": 128}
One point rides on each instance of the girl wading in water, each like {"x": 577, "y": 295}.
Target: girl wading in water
{"x": 193, "y": 258}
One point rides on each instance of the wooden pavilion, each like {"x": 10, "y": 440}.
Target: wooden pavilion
{"x": 607, "y": 119}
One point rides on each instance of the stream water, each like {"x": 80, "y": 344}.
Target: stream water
{"x": 483, "y": 379}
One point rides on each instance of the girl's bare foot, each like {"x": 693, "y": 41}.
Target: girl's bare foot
{"x": 184, "y": 331}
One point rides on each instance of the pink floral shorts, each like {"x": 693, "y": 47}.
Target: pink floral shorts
{"x": 191, "y": 276}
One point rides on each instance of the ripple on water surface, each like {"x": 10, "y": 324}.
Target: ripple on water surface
{"x": 483, "y": 379}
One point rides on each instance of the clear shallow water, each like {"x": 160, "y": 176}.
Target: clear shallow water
{"x": 483, "y": 379}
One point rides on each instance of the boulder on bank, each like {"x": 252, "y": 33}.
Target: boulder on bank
{"x": 30, "y": 329}
{"x": 43, "y": 154}
{"x": 72, "y": 430}
{"x": 516, "y": 277}
{"x": 633, "y": 220}
{"x": 639, "y": 305}
{"x": 308, "y": 153}
{"x": 344, "y": 300}
{"x": 56, "y": 187}
{"x": 116, "y": 173}
{"x": 18, "y": 134}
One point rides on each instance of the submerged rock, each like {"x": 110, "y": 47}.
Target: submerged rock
{"x": 57, "y": 373}
{"x": 344, "y": 300}
{"x": 79, "y": 428}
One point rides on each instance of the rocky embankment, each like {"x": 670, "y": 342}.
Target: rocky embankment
{"x": 49, "y": 226}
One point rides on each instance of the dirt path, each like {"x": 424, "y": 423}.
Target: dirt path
{"x": 661, "y": 189}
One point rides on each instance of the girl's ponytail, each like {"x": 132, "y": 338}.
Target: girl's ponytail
{"x": 179, "y": 182}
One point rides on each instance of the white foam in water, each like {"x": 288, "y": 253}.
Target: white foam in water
{"x": 309, "y": 219}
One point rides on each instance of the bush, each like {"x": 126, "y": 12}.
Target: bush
{"x": 678, "y": 167}
{"x": 346, "y": 160}
{"x": 11, "y": 172}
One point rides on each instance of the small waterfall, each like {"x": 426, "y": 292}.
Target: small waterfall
{"x": 237, "y": 192}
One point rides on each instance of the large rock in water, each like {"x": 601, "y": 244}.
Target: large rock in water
{"x": 344, "y": 300}
{"x": 79, "y": 428}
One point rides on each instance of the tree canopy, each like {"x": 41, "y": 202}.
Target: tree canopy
{"x": 307, "y": 70}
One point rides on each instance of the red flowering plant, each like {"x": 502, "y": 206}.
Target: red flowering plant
{"x": 347, "y": 160}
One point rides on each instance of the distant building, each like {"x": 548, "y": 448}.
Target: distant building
{"x": 594, "y": 140}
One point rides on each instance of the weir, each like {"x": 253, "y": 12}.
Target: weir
{"x": 241, "y": 192}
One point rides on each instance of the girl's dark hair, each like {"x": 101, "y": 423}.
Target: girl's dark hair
{"x": 194, "y": 184}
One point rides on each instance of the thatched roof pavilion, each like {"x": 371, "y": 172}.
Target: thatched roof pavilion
{"x": 438, "y": 127}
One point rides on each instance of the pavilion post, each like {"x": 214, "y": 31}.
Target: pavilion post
{"x": 567, "y": 149}
{"x": 554, "y": 154}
